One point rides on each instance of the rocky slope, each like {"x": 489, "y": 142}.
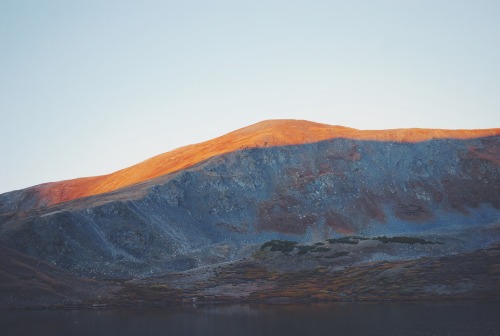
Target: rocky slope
{"x": 219, "y": 201}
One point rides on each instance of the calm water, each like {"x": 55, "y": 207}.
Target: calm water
{"x": 307, "y": 320}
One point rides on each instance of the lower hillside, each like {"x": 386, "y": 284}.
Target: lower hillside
{"x": 350, "y": 268}
{"x": 29, "y": 282}
{"x": 325, "y": 275}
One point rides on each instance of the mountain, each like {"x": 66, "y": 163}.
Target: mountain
{"x": 198, "y": 206}
{"x": 268, "y": 133}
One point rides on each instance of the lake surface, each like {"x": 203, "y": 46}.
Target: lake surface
{"x": 463, "y": 318}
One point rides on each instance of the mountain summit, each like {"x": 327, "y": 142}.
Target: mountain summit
{"x": 267, "y": 133}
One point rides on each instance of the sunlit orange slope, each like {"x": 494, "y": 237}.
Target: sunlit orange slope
{"x": 263, "y": 134}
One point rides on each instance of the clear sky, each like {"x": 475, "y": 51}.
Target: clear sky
{"x": 90, "y": 87}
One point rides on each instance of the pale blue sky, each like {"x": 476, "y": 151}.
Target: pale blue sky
{"x": 90, "y": 87}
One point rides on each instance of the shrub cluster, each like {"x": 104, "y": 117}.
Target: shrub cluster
{"x": 280, "y": 245}
{"x": 343, "y": 240}
{"x": 403, "y": 240}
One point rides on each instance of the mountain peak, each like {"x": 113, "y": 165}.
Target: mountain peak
{"x": 267, "y": 133}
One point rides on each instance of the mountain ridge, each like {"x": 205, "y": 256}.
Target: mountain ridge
{"x": 268, "y": 133}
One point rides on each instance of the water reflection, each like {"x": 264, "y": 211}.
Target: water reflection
{"x": 471, "y": 318}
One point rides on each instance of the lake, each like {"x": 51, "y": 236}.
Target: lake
{"x": 454, "y": 318}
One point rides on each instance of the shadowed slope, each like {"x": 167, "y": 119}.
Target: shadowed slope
{"x": 27, "y": 281}
{"x": 263, "y": 134}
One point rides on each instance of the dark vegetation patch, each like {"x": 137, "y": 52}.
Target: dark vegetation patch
{"x": 303, "y": 249}
{"x": 287, "y": 246}
{"x": 279, "y": 245}
{"x": 321, "y": 249}
{"x": 404, "y": 240}
{"x": 343, "y": 240}
{"x": 384, "y": 239}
